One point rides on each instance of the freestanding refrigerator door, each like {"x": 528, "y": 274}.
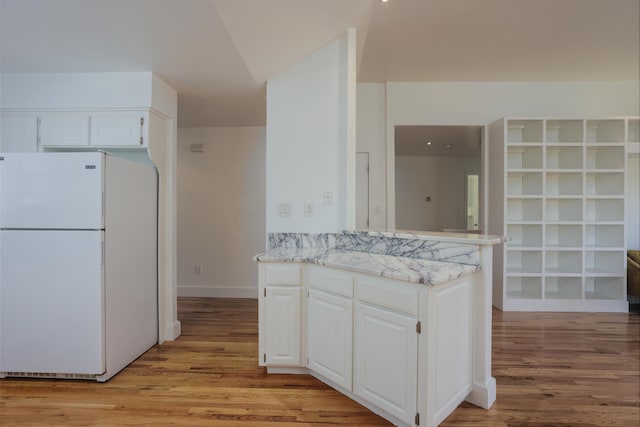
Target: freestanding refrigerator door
{"x": 51, "y": 302}
{"x": 51, "y": 190}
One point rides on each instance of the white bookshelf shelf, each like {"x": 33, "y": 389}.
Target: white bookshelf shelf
{"x": 558, "y": 186}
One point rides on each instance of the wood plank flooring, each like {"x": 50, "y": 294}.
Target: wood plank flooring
{"x": 552, "y": 369}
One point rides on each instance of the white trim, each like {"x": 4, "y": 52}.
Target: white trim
{"x": 217, "y": 292}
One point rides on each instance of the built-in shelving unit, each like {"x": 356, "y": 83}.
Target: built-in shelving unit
{"x": 557, "y": 191}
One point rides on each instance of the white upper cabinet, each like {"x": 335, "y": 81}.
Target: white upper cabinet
{"x": 64, "y": 129}
{"x": 117, "y": 129}
{"x": 18, "y": 133}
{"x": 42, "y": 131}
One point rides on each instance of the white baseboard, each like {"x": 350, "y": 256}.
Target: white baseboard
{"x": 215, "y": 292}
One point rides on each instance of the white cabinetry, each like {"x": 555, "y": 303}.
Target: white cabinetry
{"x": 406, "y": 351}
{"x": 386, "y": 345}
{"x": 330, "y": 325}
{"x": 63, "y": 129}
{"x": 18, "y": 132}
{"x": 50, "y": 131}
{"x": 117, "y": 129}
{"x": 385, "y": 373}
{"x": 557, "y": 193}
{"x": 279, "y": 311}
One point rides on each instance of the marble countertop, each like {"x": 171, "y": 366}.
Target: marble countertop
{"x": 474, "y": 239}
{"x": 389, "y": 266}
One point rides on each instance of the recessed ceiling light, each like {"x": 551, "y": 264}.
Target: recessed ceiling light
{"x": 384, "y": 1}
{"x": 448, "y": 146}
{"x": 428, "y": 142}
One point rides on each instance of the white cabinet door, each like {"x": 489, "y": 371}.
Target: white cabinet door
{"x": 64, "y": 129}
{"x": 385, "y": 364}
{"x": 329, "y": 336}
{"x": 282, "y": 325}
{"x": 117, "y": 129}
{"x": 18, "y": 133}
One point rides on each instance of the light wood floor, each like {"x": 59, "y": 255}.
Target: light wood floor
{"x": 577, "y": 370}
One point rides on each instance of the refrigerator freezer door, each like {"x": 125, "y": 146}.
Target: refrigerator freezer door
{"x": 51, "y": 190}
{"x": 51, "y": 302}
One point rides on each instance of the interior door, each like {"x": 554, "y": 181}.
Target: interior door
{"x": 51, "y": 302}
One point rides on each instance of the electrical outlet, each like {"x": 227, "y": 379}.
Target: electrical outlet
{"x": 197, "y": 270}
{"x": 327, "y": 197}
{"x": 308, "y": 210}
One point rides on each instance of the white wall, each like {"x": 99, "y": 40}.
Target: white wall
{"x": 370, "y": 124}
{"x": 75, "y": 90}
{"x": 221, "y": 214}
{"x": 441, "y": 178}
{"x": 311, "y": 140}
{"x": 480, "y": 103}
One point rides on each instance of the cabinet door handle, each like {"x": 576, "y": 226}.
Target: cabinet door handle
{"x": 141, "y": 124}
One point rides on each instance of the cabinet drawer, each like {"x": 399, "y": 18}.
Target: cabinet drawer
{"x": 385, "y": 293}
{"x": 282, "y": 274}
{"x": 335, "y": 281}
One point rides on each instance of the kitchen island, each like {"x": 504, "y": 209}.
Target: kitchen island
{"x": 398, "y": 321}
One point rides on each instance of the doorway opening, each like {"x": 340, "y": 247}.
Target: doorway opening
{"x": 438, "y": 178}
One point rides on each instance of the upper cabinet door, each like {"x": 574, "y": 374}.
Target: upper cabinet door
{"x": 118, "y": 129}
{"x": 18, "y": 133}
{"x": 64, "y": 129}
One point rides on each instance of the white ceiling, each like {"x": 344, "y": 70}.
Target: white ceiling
{"x": 218, "y": 53}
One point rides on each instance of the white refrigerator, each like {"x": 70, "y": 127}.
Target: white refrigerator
{"x": 78, "y": 264}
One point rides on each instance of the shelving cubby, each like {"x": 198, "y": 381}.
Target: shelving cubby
{"x": 563, "y": 236}
{"x": 605, "y": 131}
{"x": 524, "y": 261}
{"x": 524, "y": 236}
{"x": 604, "y": 288}
{"x": 557, "y": 191}
{"x": 564, "y": 184}
{"x": 605, "y": 183}
{"x": 564, "y": 157}
{"x": 562, "y": 287}
{"x": 599, "y": 157}
{"x": 564, "y": 131}
{"x": 563, "y": 210}
{"x": 604, "y": 236}
{"x": 604, "y": 210}
{"x": 524, "y": 210}
{"x": 525, "y": 131}
{"x": 524, "y": 157}
{"x": 608, "y": 263}
{"x": 563, "y": 262}
{"x": 524, "y": 184}
{"x": 524, "y": 287}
